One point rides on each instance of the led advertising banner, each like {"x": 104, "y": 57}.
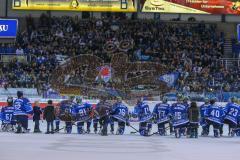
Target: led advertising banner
{"x": 192, "y": 6}
{"x": 77, "y": 5}
{"x": 8, "y": 28}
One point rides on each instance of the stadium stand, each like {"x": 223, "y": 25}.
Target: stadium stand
{"x": 192, "y": 49}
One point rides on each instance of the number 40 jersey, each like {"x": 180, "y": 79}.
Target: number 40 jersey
{"x": 215, "y": 114}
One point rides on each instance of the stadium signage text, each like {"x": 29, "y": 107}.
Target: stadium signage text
{"x": 78, "y": 5}
{"x": 8, "y": 28}
{"x": 192, "y": 6}
{"x": 3, "y": 28}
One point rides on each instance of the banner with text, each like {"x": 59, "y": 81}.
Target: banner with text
{"x": 192, "y": 6}
{"x": 77, "y": 5}
{"x": 8, "y": 28}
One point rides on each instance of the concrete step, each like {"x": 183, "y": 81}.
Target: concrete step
{"x": 227, "y": 47}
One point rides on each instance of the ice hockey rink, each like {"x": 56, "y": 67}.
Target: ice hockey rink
{"x": 113, "y": 147}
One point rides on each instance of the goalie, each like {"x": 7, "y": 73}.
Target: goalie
{"x": 8, "y": 122}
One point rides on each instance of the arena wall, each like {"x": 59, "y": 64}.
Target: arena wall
{"x": 2, "y": 8}
{"x": 43, "y": 103}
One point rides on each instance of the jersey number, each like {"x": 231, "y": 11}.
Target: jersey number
{"x": 17, "y": 105}
{"x": 161, "y": 114}
{"x": 146, "y": 110}
{"x": 122, "y": 112}
{"x": 233, "y": 112}
{"x": 8, "y": 117}
{"x": 82, "y": 112}
{"x": 178, "y": 115}
{"x": 215, "y": 113}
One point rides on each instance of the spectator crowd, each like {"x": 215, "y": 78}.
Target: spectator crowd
{"x": 192, "y": 49}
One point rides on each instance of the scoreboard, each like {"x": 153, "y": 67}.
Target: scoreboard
{"x": 77, "y": 5}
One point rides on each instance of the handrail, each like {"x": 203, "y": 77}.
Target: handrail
{"x": 234, "y": 59}
{"x": 225, "y": 61}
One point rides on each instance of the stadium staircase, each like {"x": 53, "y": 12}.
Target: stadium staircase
{"x": 228, "y": 48}
{"x": 229, "y": 31}
{"x": 228, "y": 54}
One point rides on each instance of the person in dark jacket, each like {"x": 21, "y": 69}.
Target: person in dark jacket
{"x": 193, "y": 116}
{"x": 49, "y": 116}
{"x": 102, "y": 110}
{"x": 36, "y": 117}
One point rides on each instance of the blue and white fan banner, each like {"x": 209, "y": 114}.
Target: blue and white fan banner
{"x": 170, "y": 78}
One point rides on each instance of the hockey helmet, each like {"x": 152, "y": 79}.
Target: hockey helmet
{"x": 10, "y": 100}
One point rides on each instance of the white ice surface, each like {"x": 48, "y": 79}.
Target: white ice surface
{"x": 127, "y": 147}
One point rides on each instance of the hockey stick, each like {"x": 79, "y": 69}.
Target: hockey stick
{"x": 55, "y": 131}
{"x": 166, "y": 128}
{"x": 151, "y": 134}
{"x": 137, "y": 131}
{"x": 133, "y": 132}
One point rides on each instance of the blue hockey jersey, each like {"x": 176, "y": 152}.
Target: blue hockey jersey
{"x": 179, "y": 113}
{"x": 66, "y": 105}
{"x": 186, "y": 104}
{"x": 203, "y": 109}
{"x": 7, "y": 114}
{"x": 82, "y": 111}
{"x": 143, "y": 112}
{"x": 22, "y": 106}
{"x": 162, "y": 112}
{"x": 232, "y": 111}
{"x": 120, "y": 112}
{"x": 215, "y": 114}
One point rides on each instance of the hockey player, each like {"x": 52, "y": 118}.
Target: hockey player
{"x": 180, "y": 119}
{"x": 142, "y": 111}
{"x": 215, "y": 116}
{"x": 8, "y": 122}
{"x": 238, "y": 126}
{"x": 68, "y": 118}
{"x": 111, "y": 122}
{"x": 65, "y": 106}
{"x": 95, "y": 123}
{"x": 161, "y": 114}
{"x": 185, "y": 102}
{"x": 95, "y": 120}
{"x": 102, "y": 110}
{"x": 120, "y": 114}
{"x": 82, "y": 113}
{"x": 193, "y": 116}
{"x": 232, "y": 111}
{"x": 203, "y": 123}
{"x": 22, "y": 107}
{"x": 185, "y": 130}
